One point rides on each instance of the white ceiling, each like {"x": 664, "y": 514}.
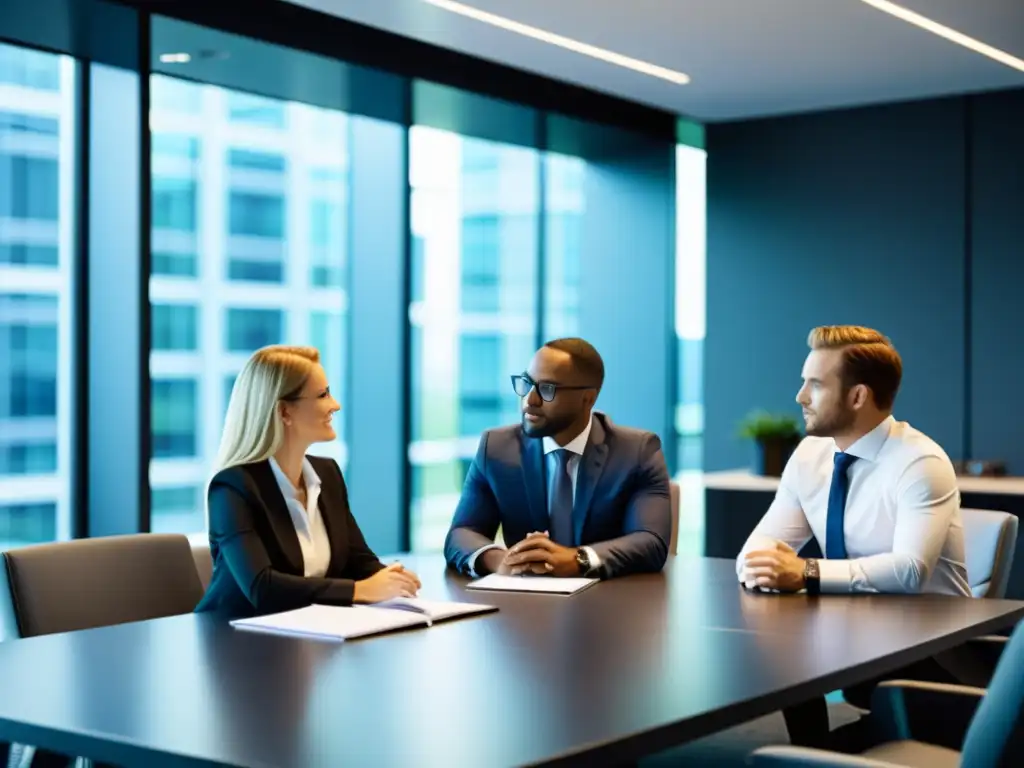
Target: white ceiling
{"x": 746, "y": 58}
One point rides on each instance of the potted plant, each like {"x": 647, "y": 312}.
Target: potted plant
{"x": 775, "y": 437}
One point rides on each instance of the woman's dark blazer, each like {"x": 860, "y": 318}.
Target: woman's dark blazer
{"x": 257, "y": 562}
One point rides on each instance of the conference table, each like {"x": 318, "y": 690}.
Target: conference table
{"x": 624, "y": 669}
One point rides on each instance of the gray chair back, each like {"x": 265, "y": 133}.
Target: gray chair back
{"x": 990, "y": 539}
{"x": 98, "y": 582}
{"x": 996, "y": 736}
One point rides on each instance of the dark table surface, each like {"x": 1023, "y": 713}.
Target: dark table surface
{"x": 623, "y": 669}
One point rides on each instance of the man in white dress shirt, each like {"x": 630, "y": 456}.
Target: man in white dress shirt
{"x": 879, "y": 496}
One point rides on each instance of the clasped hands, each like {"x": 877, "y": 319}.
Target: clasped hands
{"x": 779, "y": 568}
{"x": 536, "y": 555}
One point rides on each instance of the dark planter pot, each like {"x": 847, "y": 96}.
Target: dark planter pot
{"x": 770, "y": 456}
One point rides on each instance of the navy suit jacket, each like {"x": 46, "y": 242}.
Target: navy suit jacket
{"x": 622, "y": 507}
{"x": 257, "y": 562}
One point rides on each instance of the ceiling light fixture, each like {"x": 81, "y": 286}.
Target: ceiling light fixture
{"x": 950, "y": 34}
{"x": 563, "y": 42}
{"x": 175, "y": 58}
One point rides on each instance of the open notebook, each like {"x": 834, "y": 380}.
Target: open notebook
{"x": 335, "y": 622}
{"x": 549, "y": 584}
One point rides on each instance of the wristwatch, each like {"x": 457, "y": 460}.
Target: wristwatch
{"x": 583, "y": 561}
{"x": 812, "y": 577}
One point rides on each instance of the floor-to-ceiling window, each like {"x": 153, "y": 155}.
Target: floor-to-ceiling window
{"x": 473, "y": 314}
{"x": 564, "y": 207}
{"x": 690, "y": 326}
{"x": 37, "y": 237}
{"x": 250, "y": 203}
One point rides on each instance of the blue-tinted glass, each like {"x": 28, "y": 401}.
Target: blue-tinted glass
{"x": 28, "y": 187}
{"x": 256, "y": 271}
{"x": 174, "y": 499}
{"x": 565, "y": 204}
{"x": 174, "y": 264}
{"x": 481, "y": 267}
{"x": 174, "y": 418}
{"x": 256, "y": 110}
{"x": 251, "y": 329}
{"x": 29, "y": 255}
{"x": 29, "y": 353}
{"x": 175, "y": 145}
{"x": 474, "y": 216}
{"x": 38, "y": 197}
{"x": 22, "y": 524}
{"x": 259, "y": 161}
{"x": 177, "y": 508}
{"x": 256, "y": 215}
{"x": 168, "y": 94}
{"x": 29, "y": 68}
{"x": 174, "y": 204}
{"x": 28, "y": 458}
{"x": 175, "y": 327}
{"x": 18, "y": 122}
{"x": 481, "y": 383}
{"x": 417, "y": 267}
{"x": 325, "y": 222}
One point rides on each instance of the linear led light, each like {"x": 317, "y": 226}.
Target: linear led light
{"x": 564, "y": 42}
{"x": 950, "y": 34}
{"x": 175, "y": 58}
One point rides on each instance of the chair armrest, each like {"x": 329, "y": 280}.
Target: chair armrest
{"x": 935, "y": 713}
{"x": 987, "y": 650}
{"x": 804, "y": 757}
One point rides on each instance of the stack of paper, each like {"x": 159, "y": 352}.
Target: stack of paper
{"x": 549, "y": 584}
{"x": 343, "y": 623}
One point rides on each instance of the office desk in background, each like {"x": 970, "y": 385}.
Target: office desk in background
{"x": 735, "y": 500}
{"x": 624, "y": 669}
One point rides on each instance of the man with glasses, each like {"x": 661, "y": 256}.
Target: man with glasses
{"x": 572, "y": 493}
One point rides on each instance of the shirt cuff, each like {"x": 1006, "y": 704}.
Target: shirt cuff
{"x": 595, "y": 563}
{"x": 835, "y": 575}
{"x": 471, "y": 565}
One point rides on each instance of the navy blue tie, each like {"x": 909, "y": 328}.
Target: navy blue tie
{"x": 835, "y": 539}
{"x": 560, "y": 500}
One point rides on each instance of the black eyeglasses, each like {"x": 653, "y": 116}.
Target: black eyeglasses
{"x": 522, "y": 384}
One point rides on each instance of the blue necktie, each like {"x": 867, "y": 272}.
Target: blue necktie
{"x": 560, "y": 500}
{"x": 835, "y": 539}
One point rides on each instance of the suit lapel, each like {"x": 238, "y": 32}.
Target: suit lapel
{"x": 533, "y": 478}
{"x": 280, "y": 517}
{"x": 330, "y": 499}
{"x": 589, "y": 472}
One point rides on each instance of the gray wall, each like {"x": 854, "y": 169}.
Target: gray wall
{"x": 908, "y": 218}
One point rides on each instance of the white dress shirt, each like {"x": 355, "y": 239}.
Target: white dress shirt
{"x": 902, "y": 521}
{"x": 576, "y": 446}
{"x": 309, "y": 523}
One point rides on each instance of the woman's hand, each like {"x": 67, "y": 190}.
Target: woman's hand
{"x": 392, "y": 581}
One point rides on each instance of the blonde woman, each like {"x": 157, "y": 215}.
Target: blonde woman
{"x": 282, "y": 535}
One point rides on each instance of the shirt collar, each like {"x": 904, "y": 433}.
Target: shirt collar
{"x": 869, "y": 445}
{"x": 287, "y": 489}
{"x": 577, "y": 445}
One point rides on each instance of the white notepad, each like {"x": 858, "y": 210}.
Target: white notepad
{"x": 548, "y": 584}
{"x": 334, "y": 622}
